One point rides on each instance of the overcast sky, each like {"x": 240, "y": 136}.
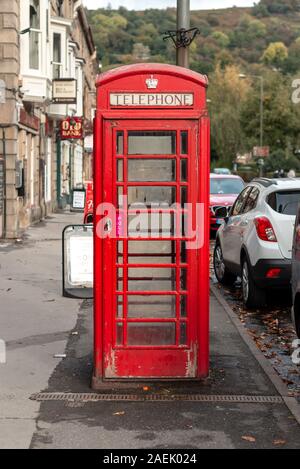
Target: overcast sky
{"x": 142, "y": 4}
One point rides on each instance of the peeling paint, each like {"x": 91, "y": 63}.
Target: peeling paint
{"x": 191, "y": 363}
{"x": 110, "y": 368}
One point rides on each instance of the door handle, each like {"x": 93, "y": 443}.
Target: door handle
{"x": 108, "y": 226}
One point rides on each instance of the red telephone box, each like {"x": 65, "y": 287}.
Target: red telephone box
{"x": 151, "y": 268}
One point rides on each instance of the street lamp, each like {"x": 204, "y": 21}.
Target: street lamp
{"x": 261, "y": 79}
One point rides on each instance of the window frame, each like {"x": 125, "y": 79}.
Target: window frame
{"x": 246, "y": 191}
{"x": 254, "y": 188}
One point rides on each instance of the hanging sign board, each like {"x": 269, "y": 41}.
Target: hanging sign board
{"x": 64, "y": 91}
{"x": 71, "y": 128}
{"x": 261, "y": 152}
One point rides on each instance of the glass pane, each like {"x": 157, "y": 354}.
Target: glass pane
{"x": 151, "y": 334}
{"x": 34, "y": 48}
{"x": 184, "y": 196}
{"x": 120, "y": 168}
{"x": 183, "y": 279}
{"x": 184, "y": 143}
{"x": 184, "y": 170}
{"x": 183, "y": 333}
{"x": 151, "y": 195}
{"x": 120, "y": 194}
{"x": 183, "y": 253}
{"x": 153, "y": 252}
{"x": 183, "y": 306}
{"x": 119, "y": 334}
{"x": 153, "y": 225}
{"x": 120, "y": 279}
{"x": 120, "y": 143}
{"x": 152, "y": 279}
{"x": 151, "y": 143}
{"x": 120, "y": 306}
{"x": 120, "y": 258}
{"x": 151, "y": 170}
{"x": 153, "y": 306}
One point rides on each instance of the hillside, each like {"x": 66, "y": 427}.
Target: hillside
{"x": 231, "y": 36}
{"x": 261, "y": 43}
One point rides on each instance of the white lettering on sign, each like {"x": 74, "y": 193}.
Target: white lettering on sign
{"x": 152, "y": 99}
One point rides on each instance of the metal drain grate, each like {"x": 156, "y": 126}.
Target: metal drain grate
{"x": 93, "y": 397}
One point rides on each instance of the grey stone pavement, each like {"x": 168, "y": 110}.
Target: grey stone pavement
{"x": 37, "y": 323}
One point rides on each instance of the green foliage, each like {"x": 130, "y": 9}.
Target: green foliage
{"x": 221, "y": 38}
{"x": 275, "y": 54}
{"x": 253, "y": 41}
{"x": 280, "y": 6}
{"x": 260, "y": 10}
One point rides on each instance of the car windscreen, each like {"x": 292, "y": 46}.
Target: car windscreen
{"x": 285, "y": 202}
{"x": 226, "y": 186}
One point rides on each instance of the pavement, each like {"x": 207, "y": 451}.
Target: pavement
{"x": 37, "y": 323}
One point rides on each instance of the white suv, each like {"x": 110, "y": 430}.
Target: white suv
{"x": 255, "y": 240}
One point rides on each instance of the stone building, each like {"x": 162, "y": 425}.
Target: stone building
{"x": 9, "y": 74}
{"x": 42, "y": 41}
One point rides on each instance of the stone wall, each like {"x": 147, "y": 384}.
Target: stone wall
{"x": 9, "y": 72}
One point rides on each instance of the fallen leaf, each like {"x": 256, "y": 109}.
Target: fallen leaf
{"x": 279, "y": 442}
{"x": 251, "y": 439}
{"x": 119, "y": 413}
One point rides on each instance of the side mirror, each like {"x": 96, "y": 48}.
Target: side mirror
{"x": 221, "y": 212}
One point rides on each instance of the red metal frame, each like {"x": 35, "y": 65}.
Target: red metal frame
{"x": 114, "y": 361}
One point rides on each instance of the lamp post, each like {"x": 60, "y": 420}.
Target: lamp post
{"x": 183, "y": 23}
{"x": 261, "y": 107}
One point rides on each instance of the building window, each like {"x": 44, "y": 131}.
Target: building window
{"x": 57, "y": 62}
{"x": 60, "y": 7}
{"x": 34, "y": 34}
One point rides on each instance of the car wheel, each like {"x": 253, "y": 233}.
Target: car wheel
{"x": 222, "y": 273}
{"x": 253, "y": 296}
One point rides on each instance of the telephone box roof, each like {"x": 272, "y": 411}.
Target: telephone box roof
{"x": 151, "y": 68}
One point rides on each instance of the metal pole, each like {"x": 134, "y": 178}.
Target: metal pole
{"x": 183, "y": 22}
{"x": 261, "y": 111}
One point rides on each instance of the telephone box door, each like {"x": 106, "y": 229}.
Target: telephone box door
{"x": 150, "y": 296}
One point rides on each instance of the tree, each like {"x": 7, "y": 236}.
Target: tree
{"x": 280, "y": 6}
{"x": 226, "y": 93}
{"x": 140, "y": 53}
{"x": 260, "y": 10}
{"x": 275, "y": 54}
{"x": 281, "y": 116}
{"x": 221, "y": 38}
{"x": 292, "y": 64}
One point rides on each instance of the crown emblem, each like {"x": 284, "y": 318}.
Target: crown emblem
{"x": 152, "y": 83}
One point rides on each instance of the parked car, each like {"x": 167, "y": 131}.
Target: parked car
{"x": 89, "y": 203}
{"x": 296, "y": 275}
{"x": 224, "y": 190}
{"x": 221, "y": 171}
{"x": 255, "y": 240}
